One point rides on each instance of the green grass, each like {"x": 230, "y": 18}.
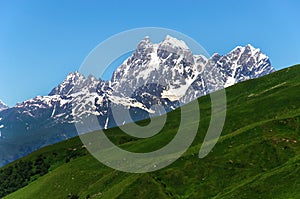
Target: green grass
{"x": 257, "y": 155}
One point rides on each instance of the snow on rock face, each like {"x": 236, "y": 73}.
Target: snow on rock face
{"x": 3, "y": 106}
{"x": 73, "y": 83}
{"x": 170, "y": 65}
{"x": 241, "y": 64}
{"x": 165, "y": 74}
{"x": 175, "y": 70}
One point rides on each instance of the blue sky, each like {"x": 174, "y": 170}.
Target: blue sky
{"x": 42, "y": 41}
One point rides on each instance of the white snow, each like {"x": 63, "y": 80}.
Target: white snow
{"x": 169, "y": 95}
{"x": 3, "y": 106}
{"x": 52, "y": 114}
{"x": 169, "y": 40}
{"x": 126, "y": 101}
{"x": 151, "y": 66}
{"x": 106, "y": 123}
{"x": 230, "y": 81}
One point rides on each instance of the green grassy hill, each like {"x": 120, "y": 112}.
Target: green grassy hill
{"x": 257, "y": 155}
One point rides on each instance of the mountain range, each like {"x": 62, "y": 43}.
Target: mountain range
{"x": 165, "y": 74}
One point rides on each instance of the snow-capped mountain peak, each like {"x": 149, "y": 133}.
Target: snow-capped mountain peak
{"x": 252, "y": 48}
{"x": 73, "y": 83}
{"x": 144, "y": 43}
{"x": 172, "y": 41}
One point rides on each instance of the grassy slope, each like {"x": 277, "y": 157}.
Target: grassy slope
{"x": 257, "y": 156}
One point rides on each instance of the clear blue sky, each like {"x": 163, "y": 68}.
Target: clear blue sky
{"x": 42, "y": 41}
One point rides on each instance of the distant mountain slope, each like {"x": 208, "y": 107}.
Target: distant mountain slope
{"x": 257, "y": 155}
{"x": 165, "y": 74}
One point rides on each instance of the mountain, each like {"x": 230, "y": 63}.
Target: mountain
{"x": 166, "y": 74}
{"x": 3, "y": 106}
{"x": 256, "y": 156}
